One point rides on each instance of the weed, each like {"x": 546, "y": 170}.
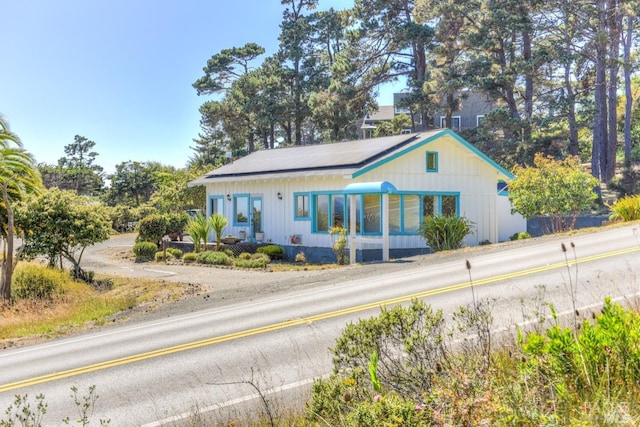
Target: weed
{"x": 339, "y": 246}
{"x": 21, "y": 413}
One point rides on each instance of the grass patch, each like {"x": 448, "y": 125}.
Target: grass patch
{"x": 76, "y": 306}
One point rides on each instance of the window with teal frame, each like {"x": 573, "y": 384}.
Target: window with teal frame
{"x": 328, "y": 211}
{"x": 301, "y": 209}
{"x": 216, "y": 204}
{"x": 321, "y": 213}
{"x": 432, "y": 161}
{"x": 406, "y": 211}
{"x": 241, "y": 210}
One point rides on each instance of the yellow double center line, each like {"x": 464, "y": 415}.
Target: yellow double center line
{"x": 296, "y": 322}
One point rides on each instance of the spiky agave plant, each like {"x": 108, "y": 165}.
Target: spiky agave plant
{"x": 218, "y": 222}
{"x": 198, "y": 228}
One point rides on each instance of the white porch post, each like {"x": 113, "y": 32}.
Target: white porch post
{"x": 385, "y": 227}
{"x": 352, "y": 229}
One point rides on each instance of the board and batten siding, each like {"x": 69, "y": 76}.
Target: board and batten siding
{"x": 460, "y": 171}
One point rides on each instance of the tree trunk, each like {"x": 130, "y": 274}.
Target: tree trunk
{"x": 272, "y": 135}
{"x": 599, "y": 145}
{"x": 627, "y": 90}
{"x": 568, "y": 84}
{"x": 614, "y": 50}
{"x": 7, "y": 264}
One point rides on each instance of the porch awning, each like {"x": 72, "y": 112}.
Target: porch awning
{"x": 370, "y": 188}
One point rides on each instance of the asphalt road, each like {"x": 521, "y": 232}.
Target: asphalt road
{"x": 158, "y": 372}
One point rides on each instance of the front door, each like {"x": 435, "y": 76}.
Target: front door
{"x": 256, "y": 216}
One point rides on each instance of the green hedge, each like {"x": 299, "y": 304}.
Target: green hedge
{"x": 253, "y": 261}
{"x": 214, "y": 258}
{"x": 274, "y": 252}
{"x": 145, "y": 250}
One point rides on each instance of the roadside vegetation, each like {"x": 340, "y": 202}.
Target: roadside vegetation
{"x": 408, "y": 367}
{"x": 48, "y": 302}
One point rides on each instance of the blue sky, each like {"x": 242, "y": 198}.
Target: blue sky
{"x": 119, "y": 72}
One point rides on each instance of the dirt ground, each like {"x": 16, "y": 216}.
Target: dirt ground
{"x": 210, "y": 286}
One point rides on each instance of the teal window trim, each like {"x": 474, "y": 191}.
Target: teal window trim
{"x": 438, "y": 207}
{"x": 314, "y": 210}
{"x": 295, "y": 207}
{"x": 251, "y": 215}
{"x": 313, "y": 202}
{"x": 429, "y": 156}
{"x": 215, "y": 197}
{"x": 235, "y": 204}
{"x": 360, "y": 201}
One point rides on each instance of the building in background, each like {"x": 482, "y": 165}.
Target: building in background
{"x": 474, "y": 107}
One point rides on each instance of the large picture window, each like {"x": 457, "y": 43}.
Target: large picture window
{"x": 411, "y": 213}
{"x": 371, "y": 213}
{"x": 406, "y": 211}
{"x": 337, "y": 211}
{"x": 395, "y": 215}
{"x": 428, "y": 206}
{"x": 321, "y": 213}
{"x": 450, "y": 205}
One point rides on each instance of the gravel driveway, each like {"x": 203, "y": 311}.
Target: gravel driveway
{"x": 211, "y": 286}
{"x": 214, "y": 286}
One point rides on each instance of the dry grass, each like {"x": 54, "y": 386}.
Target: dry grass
{"x": 77, "y": 306}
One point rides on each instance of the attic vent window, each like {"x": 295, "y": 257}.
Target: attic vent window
{"x": 432, "y": 161}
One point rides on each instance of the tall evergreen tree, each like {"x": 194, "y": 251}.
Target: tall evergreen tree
{"x": 391, "y": 45}
{"x": 295, "y": 32}
{"x": 79, "y": 170}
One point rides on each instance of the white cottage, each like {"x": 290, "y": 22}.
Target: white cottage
{"x": 293, "y": 196}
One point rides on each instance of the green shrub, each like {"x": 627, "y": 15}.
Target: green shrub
{"x": 520, "y": 236}
{"x": 443, "y": 233}
{"x": 253, "y": 261}
{"x": 37, "y": 282}
{"x": 626, "y": 209}
{"x": 274, "y": 252}
{"x": 229, "y": 252}
{"x": 409, "y": 343}
{"x": 244, "y": 256}
{"x": 562, "y": 369}
{"x": 161, "y": 257}
{"x": 339, "y": 245}
{"x": 151, "y": 228}
{"x": 190, "y": 257}
{"x": 176, "y": 222}
{"x": 145, "y": 250}
{"x": 175, "y": 252}
{"x": 626, "y": 184}
{"x": 301, "y": 257}
{"x": 214, "y": 258}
